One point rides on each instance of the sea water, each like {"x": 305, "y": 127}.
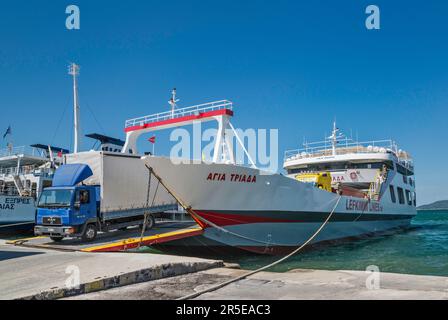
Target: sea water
{"x": 422, "y": 249}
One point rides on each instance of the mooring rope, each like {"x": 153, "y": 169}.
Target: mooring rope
{"x": 221, "y": 285}
{"x": 147, "y": 213}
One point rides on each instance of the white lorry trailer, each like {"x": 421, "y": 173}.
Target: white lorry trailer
{"x": 100, "y": 191}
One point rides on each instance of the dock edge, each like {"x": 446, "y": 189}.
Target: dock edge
{"x": 134, "y": 277}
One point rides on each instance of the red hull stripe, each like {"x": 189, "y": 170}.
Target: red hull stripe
{"x": 227, "y": 218}
{"x": 181, "y": 119}
{"x": 234, "y": 219}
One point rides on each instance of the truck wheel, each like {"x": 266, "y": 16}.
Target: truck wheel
{"x": 90, "y": 233}
{"x": 150, "y": 223}
{"x": 56, "y": 239}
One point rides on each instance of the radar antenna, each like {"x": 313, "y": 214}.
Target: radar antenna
{"x": 173, "y": 102}
{"x": 335, "y": 136}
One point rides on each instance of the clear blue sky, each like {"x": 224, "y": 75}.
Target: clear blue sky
{"x": 292, "y": 65}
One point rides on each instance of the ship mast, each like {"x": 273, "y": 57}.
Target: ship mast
{"x": 173, "y": 102}
{"x": 334, "y": 138}
{"x": 74, "y": 71}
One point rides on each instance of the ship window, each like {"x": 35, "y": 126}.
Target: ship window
{"x": 408, "y": 197}
{"x": 34, "y": 190}
{"x": 400, "y": 195}
{"x": 405, "y": 179}
{"x": 415, "y": 199}
{"x": 401, "y": 169}
{"x": 333, "y": 166}
{"x": 392, "y": 194}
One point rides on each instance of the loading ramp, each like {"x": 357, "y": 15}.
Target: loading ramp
{"x": 118, "y": 241}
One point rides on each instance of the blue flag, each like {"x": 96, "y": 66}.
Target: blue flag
{"x": 8, "y": 131}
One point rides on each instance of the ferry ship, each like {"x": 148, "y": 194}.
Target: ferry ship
{"x": 24, "y": 172}
{"x": 368, "y": 187}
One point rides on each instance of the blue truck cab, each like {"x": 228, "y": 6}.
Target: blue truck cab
{"x": 69, "y": 208}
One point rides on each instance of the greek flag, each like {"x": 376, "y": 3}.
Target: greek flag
{"x": 8, "y": 131}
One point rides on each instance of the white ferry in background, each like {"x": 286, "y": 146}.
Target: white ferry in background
{"x": 369, "y": 187}
{"x": 24, "y": 172}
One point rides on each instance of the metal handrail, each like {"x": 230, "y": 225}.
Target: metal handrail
{"x": 324, "y": 148}
{"x": 21, "y": 150}
{"x": 177, "y": 113}
{"x": 11, "y": 171}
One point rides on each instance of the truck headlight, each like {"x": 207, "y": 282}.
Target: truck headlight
{"x": 69, "y": 230}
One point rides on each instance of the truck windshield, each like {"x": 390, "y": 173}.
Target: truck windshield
{"x": 55, "y": 198}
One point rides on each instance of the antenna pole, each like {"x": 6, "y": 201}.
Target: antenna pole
{"x": 173, "y": 102}
{"x": 334, "y": 140}
{"x": 74, "y": 71}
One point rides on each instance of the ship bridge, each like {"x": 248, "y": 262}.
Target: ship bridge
{"x": 219, "y": 111}
{"x": 348, "y": 151}
{"x": 357, "y": 169}
{"x": 339, "y": 148}
{"x": 184, "y": 116}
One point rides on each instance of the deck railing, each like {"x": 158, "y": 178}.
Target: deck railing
{"x": 347, "y": 146}
{"x": 22, "y": 150}
{"x": 178, "y": 113}
{"x": 343, "y": 147}
{"x": 12, "y": 171}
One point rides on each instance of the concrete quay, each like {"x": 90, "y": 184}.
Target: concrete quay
{"x": 32, "y": 273}
{"x": 294, "y": 285}
{"x": 37, "y": 273}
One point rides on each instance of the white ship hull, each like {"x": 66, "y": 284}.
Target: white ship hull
{"x": 16, "y": 212}
{"x": 269, "y": 213}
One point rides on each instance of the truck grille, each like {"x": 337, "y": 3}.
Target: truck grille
{"x": 51, "y": 220}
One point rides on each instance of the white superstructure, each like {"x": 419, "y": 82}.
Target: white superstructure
{"x": 361, "y": 168}
{"x": 24, "y": 172}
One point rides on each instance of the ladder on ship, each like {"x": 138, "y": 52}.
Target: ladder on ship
{"x": 19, "y": 185}
{"x": 376, "y": 185}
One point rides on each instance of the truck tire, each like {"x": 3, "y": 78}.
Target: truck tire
{"x": 150, "y": 223}
{"x": 56, "y": 239}
{"x": 89, "y": 233}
